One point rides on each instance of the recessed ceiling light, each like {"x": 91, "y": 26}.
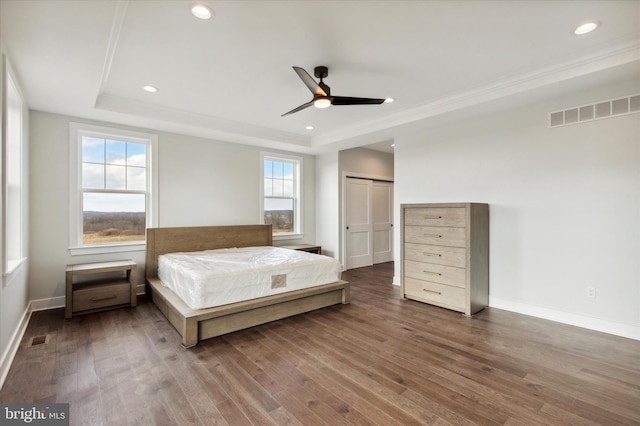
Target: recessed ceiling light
{"x": 309, "y": 127}
{"x": 202, "y": 11}
{"x": 393, "y": 145}
{"x": 388, "y": 100}
{"x": 150, "y": 89}
{"x": 586, "y": 28}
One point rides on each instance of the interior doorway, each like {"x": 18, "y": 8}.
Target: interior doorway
{"x": 368, "y": 231}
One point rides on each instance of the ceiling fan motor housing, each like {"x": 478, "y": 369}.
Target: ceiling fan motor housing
{"x": 321, "y": 72}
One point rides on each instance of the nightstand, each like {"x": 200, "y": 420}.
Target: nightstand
{"x": 96, "y": 295}
{"x": 305, "y": 247}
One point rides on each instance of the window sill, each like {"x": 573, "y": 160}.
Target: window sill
{"x": 13, "y": 267}
{"x": 284, "y": 237}
{"x": 107, "y": 248}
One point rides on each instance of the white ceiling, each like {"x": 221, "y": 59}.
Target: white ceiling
{"x": 230, "y": 77}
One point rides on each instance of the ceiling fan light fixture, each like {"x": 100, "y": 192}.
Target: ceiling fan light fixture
{"x": 322, "y": 103}
{"x": 388, "y": 100}
{"x": 201, "y": 11}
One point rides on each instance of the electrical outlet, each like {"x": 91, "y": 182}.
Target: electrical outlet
{"x": 591, "y": 292}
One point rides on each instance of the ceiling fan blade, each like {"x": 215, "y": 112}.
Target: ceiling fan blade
{"x": 347, "y": 100}
{"x": 300, "y": 108}
{"x": 309, "y": 81}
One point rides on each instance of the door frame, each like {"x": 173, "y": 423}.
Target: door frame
{"x": 343, "y": 207}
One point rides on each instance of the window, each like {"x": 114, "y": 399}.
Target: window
{"x": 281, "y": 183}
{"x": 12, "y": 177}
{"x": 112, "y": 186}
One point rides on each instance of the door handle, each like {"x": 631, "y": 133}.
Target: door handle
{"x": 347, "y": 227}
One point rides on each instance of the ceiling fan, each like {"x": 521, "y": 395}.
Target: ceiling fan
{"x": 322, "y": 93}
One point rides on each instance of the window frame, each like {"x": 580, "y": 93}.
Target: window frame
{"x": 298, "y": 193}
{"x": 13, "y": 173}
{"x": 76, "y": 132}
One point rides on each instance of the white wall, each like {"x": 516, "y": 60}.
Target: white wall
{"x": 204, "y": 182}
{"x": 328, "y": 215}
{"x": 201, "y": 182}
{"x": 564, "y": 205}
{"x": 363, "y": 161}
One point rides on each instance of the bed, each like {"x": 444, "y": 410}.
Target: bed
{"x": 195, "y": 325}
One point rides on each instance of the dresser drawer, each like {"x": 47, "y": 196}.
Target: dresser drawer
{"x": 436, "y": 216}
{"x": 101, "y": 296}
{"x": 452, "y": 237}
{"x": 441, "y": 255}
{"x": 449, "y": 275}
{"x": 436, "y": 294}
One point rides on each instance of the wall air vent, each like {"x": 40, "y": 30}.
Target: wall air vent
{"x": 595, "y": 111}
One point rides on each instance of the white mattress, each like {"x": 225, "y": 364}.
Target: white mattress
{"x": 218, "y": 277}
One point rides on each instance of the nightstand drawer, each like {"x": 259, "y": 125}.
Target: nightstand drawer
{"x": 436, "y": 294}
{"x": 101, "y": 296}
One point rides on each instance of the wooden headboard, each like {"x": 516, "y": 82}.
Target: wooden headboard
{"x": 169, "y": 240}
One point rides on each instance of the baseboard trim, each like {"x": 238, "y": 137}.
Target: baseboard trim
{"x": 45, "y": 304}
{"x": 596, "y": 324}
{"x": 14, "y": 344}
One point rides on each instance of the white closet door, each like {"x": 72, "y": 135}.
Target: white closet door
{"x": 359, "y": 223}
{"x": 382, "y": 196}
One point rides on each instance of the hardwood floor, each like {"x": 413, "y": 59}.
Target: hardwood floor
{"x": 379, "y": 360}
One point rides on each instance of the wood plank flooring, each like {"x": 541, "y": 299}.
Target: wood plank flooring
{"x": 378, "y": 361}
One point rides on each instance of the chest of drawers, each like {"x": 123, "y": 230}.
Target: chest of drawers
{"x": 445, "y": 255}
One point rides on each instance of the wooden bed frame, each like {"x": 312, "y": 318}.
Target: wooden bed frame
{"x": 201, "y": 324}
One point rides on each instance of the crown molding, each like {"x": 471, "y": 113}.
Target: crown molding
{"x": 112, "y": 45}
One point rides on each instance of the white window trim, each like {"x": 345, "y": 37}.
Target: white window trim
{"x": 76, "y": 131}
{"x": 11, "y": 265}
{"x": 299, "y": 226}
